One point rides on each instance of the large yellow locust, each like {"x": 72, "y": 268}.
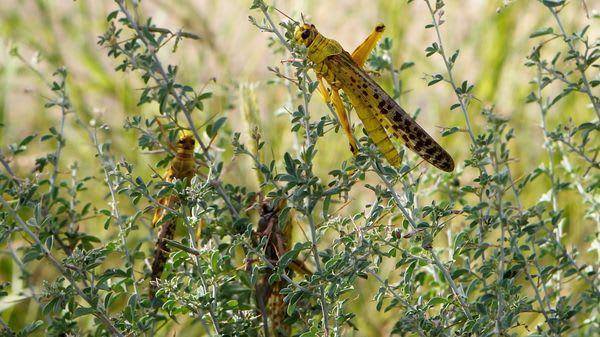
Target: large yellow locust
{"x": 381, "y": 116}
{"x": 183, "y": 167}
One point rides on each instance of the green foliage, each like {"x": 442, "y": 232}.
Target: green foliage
{"x": 444, "y": 253}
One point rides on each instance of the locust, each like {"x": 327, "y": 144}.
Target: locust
{"x": 269, "y": 299}
{"x": 182, "y": 167}
{"x": 381, "y": 116}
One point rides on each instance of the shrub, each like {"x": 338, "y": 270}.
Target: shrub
{"x": 479, "y": 251}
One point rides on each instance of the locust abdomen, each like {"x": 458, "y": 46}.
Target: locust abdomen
{"x": 183, "y": 167}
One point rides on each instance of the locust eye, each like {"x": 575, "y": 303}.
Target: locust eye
{"x": 305, "y": 34}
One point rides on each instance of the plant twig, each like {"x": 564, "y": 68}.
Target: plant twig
{"x": 581, "y": 67}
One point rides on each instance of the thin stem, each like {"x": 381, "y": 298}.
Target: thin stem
{"x": 315, "y": 252}
{"x": 274, "y": 28}
{"x": 529, "y": 278}
{"x": 31, "y": 67}
{"x": 60, "y": 137}
{"x": 539, "y": 267}
{"x": 558, "y": 232}
{"x": 25, "y": 274}
{"x": 6, "y": 328}
{"x": 196, "y": 259}
{"x": 455, "y": 289}
{"x": 313, "y": 229}
{"x": 502, "y": 218}
{"x": 580, "y": 66}
{"x": 463, "y": 105}
{"x": 7, "y": 168}
{"x": 548, "y": 142}
{"x": 593, "y": 162}
{"x": 106, "y": 165}
{"x": 389, "y": 289}
{"x": 395, "y": 196}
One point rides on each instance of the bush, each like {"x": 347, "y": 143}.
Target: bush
{"x": 301, "y": 241}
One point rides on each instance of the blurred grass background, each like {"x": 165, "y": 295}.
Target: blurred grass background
{"x": 492, "y": 38}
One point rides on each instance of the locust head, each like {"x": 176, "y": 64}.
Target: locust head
{"x": 186, "y": 143}
{"x": 305, "y": 34}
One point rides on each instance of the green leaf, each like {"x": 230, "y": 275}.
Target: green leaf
{"x": 31, "y": 327}
{"x": 27, "y": 140}
{"x": 290, "y": 255}
{"x": 541, "y": 32}
{"x": 454, "y": 56}
{"x": 448, "y": 132}
{"x": 212, "y": 129}
{"x": 436, "y": 78}
{"x": 204, "y": 95}
{"x": 112, "y": 15}
{"x": 231, "y": 304}
{"x": 406, "y": 65}
{"x": 83, "y": 311}
{"x": 435, "y": 301}
{"x": 214, "y": 261}
{"x": 431, "y": 49}
{"x": 289, "y": 164}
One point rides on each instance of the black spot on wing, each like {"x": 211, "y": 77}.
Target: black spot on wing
{"x": 418, "y": 140}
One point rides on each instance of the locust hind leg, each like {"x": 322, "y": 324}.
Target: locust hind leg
{"x": 323, "y": 89}
{"x": 340, "y": 110}
{"x": 362, "y": 52}
{"x": 338, "y": 106}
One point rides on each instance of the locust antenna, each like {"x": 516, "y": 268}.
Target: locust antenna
{"x": 302, "y": 16}
{"x": 287, "y": 16}
{"x": 164, "y": 131}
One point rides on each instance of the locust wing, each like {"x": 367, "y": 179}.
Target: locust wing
{"x": 374, "y": 104}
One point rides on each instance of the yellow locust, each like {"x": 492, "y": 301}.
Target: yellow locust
{"x": 381, "y": 116}
{"x": 182, "y": 167}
